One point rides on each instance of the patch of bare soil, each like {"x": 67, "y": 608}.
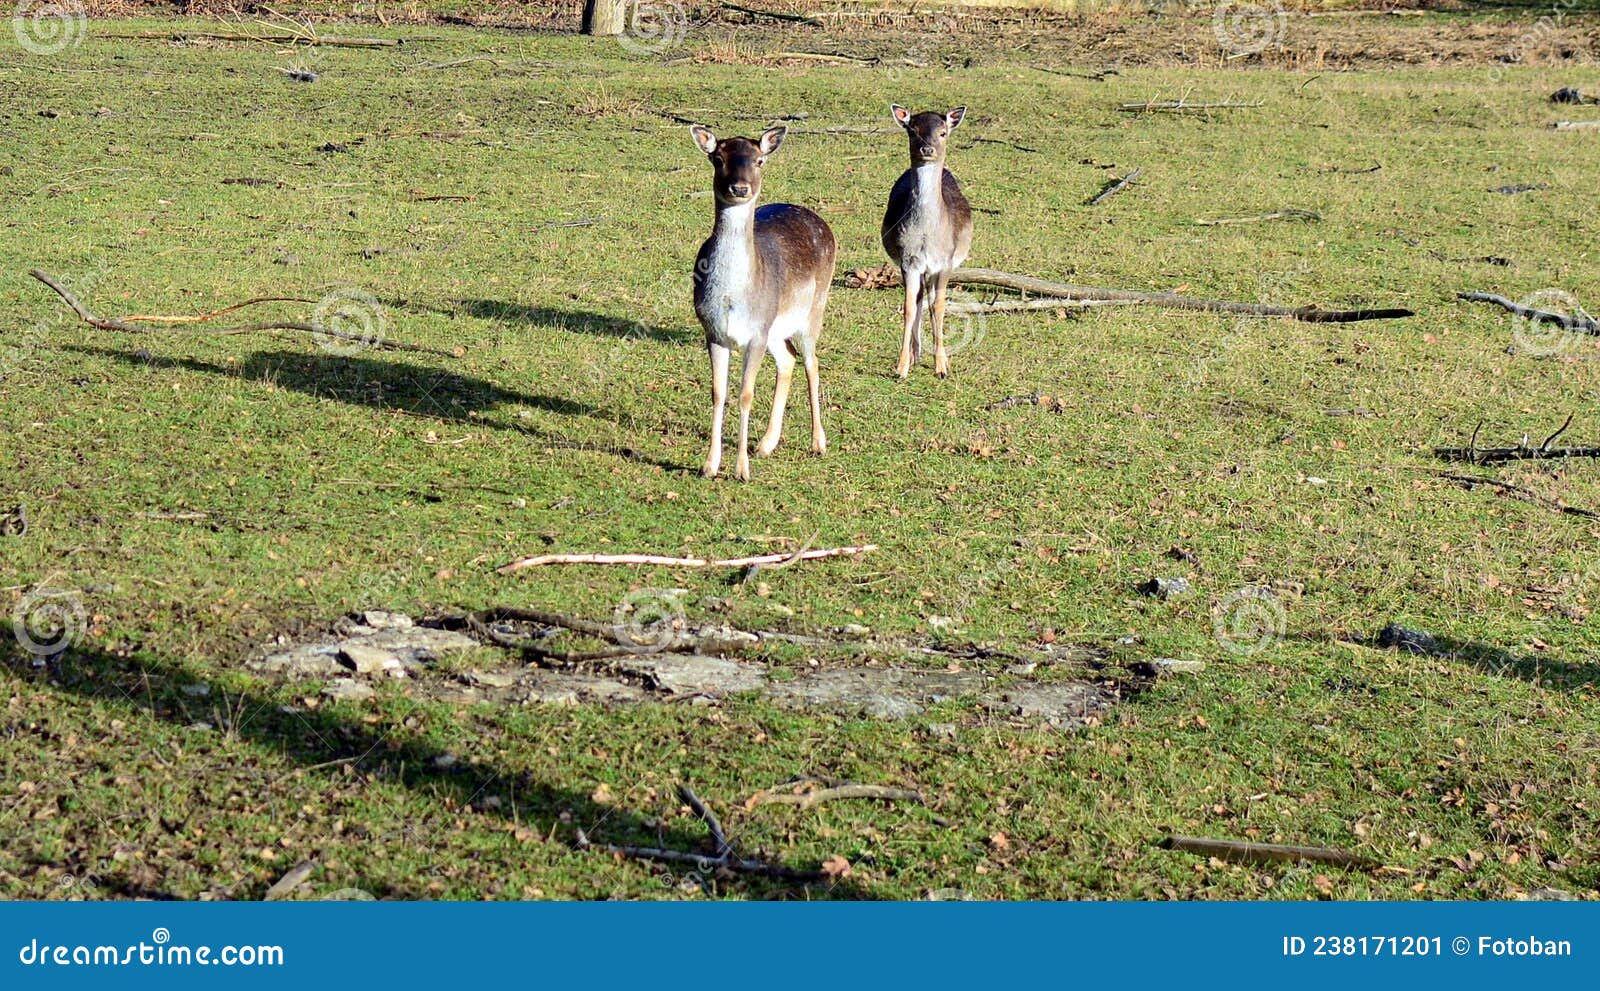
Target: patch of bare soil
{"x": 1449, "y": 32}
{"x": 457, "y": 660}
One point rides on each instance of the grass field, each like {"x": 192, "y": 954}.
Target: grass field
{"x": 197, "y": 496}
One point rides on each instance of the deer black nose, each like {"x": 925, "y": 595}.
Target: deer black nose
{"x": 928, "y": 151}
{"x": 740, "y": 189}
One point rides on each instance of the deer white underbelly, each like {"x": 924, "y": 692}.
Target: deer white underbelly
{"x": 925, "y": 242}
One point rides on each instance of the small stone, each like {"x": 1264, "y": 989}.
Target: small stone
{"x": 855, "y": 630}
{"x": 1174, "y": 665}
{"x": 381, "y": 620}
{"x": 941, "y": 623}
{"x": 196, "y": 691}
{"x": 941, "y": 731}
{"x": 1165, "y": 588}
{"x": 446, "y": 761}
{"x": 1408, "y": 641}
{"x": 1549, "y": 895}
{"x": 369, "y": 660}
{"x": 1022, "y": 669}
{"x": 493, "y": 679}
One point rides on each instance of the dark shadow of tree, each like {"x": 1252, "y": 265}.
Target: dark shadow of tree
{"x": 580, "y": 321}
{"x": 149, "y": 687}
{"x": 395, "y": 386}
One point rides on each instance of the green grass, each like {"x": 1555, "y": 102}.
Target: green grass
{"x": 577, "y": 418}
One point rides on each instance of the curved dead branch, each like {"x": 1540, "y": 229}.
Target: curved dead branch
{"x": 317, "y": 330}
{"x": 1170, "y": 300}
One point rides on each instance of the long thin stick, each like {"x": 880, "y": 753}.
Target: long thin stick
{"x": 1115, "y": 187}
{"x": 774, "y": 14}
{"x": 709, "y": 865}
{"x": 1569, "y": 321}
{"x": 808, "y": 799}
{"x": 1244, "y": 852}
{"x": 1274, "y": 215}
{"x": 303, "y": 328}
{"x": 203, "y": 317}
{"x": 265, "y": 39}
{"x": 1045, "y": 287}
{"x": 1183, "y": 105}
{"x": 718, "y": 837}
{"x": 681, "y": 562}
{"x": 1518, "y": 492}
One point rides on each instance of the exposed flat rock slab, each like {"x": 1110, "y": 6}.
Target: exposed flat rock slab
{"x": 360, "y": 653}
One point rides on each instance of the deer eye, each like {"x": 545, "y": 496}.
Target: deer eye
{"x": 944, "y": 132}
{"x": 761, "y": 162}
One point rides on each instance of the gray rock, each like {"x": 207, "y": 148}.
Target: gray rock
{"x": 1549, "y": 895}
{"x": 1065, "y": 704}
{"x": 1165, "y": 588}
{"x": 1408, "y": 641}
{"x": 855, "y": 630}
{"x": 940, "y": 731}
{"x": 348, "y": 690}
{"x": 199, "y": 691}
{"x": 1174, "y": 665}
{"x": 683, "y": 674}
{"x": 882, "y": 693}
{"x": 365, "y": 659}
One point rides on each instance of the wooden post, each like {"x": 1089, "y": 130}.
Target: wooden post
{"x": 605, "y": 17}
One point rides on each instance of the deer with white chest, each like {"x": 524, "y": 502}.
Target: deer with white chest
{"x": 927, "y": 231}
{"x": 760, "y": 286}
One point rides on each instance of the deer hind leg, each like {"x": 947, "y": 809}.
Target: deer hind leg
{"x": 719, "y": 403}
{"x": 910, "y": 342}
{"x": 808, "y": 355}
{"x": 941, "y": 358}
{"x": 780, "y": 398}
{"x": 747, "y": 399}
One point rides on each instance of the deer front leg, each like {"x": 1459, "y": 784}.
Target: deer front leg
{"x": 941, "y": 359}
{"x": 913, "y": 317}
{"x": 780, "y": 398}
{"x": 719, "y": 402}
{"x": 747, "y": 399}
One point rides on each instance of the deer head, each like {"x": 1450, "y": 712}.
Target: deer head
{"x": 736, "y": 163}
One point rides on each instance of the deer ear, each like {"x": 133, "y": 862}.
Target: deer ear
{"x": 955, "y": 116}
{"x": 902, "y": 116}
{"x": 703, "y": 138}
{"x": 771, "y": 138}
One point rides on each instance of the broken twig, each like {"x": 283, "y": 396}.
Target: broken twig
{"x": 303, "y": 328}
{"x": 1274, "y": 215}
{"x": 540, "y": 560}
{"x": 1244, "y": 852}
{"x": 1522, "y": 451}
{"x": 1115, "y": 187}
{"x": 1579, "y": 322}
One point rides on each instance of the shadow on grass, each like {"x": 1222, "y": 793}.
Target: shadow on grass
{"x": 396, "y": 386}
{"x": 1496, "y": 661}
{"x": 581, "y": 321}
{"x": 380, "y": 745}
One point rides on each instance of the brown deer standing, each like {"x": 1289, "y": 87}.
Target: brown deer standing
{"x": 760, "y": 284}
{"x": 927, "y": 231}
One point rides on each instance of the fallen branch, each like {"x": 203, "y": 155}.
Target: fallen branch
{"x": 1473, "y": 454}
{"x": 776, "y": 15}
{"x": 202, "y": 318}
{"x": 295, "y": 877}
{"x": 1020, "y": 305}
{"x": 1517, "y": 492}
{"x": 1274, "y": 215}
{"x": 1575, "y": 125}
{"x": 816, "y": 796}
{"x": 264, "y": 39}
{"x": 725, "y": 860}
{"x": 1044, "y": 287}
{"x": 1113, "y": 188}
{"x": 1569, "y": 321}
{"x": 820, "y": 57}
{"x": 681, "y": 562}
{"x": 1175, "y": 105}
{"x": 1244, "y": 852}
{"x": 304, "y": 328}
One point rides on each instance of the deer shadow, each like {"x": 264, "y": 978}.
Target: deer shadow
{"x": 581, "y": 321}
{"x": 322, "y": 743}
{"x": 395, "y": 386}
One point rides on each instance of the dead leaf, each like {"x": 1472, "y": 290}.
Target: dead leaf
{"x": 602, "y": 795}
{"x": 1000, "y": 841}
{"x": 836, "y": 867}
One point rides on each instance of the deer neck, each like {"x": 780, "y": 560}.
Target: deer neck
{"x": 734, "y": 257}
{"x": 930, "y": 186}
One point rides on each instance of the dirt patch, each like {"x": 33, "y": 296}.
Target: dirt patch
{"x": 359, "y": 653}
